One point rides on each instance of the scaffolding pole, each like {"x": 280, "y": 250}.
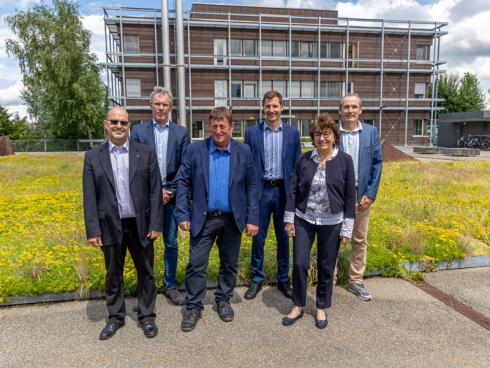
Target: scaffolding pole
{"x": 179, "y": 25}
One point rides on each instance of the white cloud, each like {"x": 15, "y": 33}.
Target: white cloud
{"x": 95, "y": 24}
{"x": 11, "y": 95}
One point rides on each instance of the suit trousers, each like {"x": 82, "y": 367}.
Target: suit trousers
{"x": 114, "y": 257}
{"x": 224, "y": 231}
{"x": 328, "y": 243}
{"x": 272, "y": 202}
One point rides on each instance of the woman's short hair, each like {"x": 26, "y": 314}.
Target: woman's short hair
{"x": 322, "y": 123}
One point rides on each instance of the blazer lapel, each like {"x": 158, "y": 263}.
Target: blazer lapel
{"x": 205, "y": 163}
{"x": 134, "y": 155}
{"x": 233, "y": 160}
{"x": 105, "y": 162}
{"x": 151, "y": 134}
{"x": 285, "y": 137}
{"x": 170, "y": 142}
{"x": 260, "y": 139}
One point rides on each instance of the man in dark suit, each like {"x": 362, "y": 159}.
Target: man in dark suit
{"x": 275, "y": 147}
{"x": 170, "y": 141}
{"x": 219, "y": 175}
{"x": 361, "y": 142}
{"x": 122, "y": 209}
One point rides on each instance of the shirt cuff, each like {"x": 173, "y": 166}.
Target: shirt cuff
{"x": 289, "y": 217}
{"x": 347, "y": 226}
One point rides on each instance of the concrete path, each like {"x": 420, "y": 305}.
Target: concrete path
{"x": 483, "y": 156}
{"x": 401, "y": 327}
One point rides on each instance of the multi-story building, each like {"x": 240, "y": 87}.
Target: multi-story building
{"x": 234, "y": 54}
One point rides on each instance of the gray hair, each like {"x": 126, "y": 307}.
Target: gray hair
{"x": 350, "y": 95}
{"x": 161, "y": 91}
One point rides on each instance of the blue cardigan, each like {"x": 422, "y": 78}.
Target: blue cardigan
{"x": 340, "y": 179}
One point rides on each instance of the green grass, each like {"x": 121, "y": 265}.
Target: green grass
{"x": 424, "y": 211}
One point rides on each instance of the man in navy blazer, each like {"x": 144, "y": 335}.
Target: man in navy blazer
{"x": 170, "y": 141}
{"x": 361, "y": 141}
{"x": 275, "y": 148}
{"x": 122, "y": 210}
{"x": 216, "y": 200}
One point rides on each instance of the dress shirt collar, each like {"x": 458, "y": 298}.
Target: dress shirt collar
{"x": 212, "y": 147}
{"x": 157, "y": 125}
{"x": 358, "y": 128}
{"x": 266, "y": 126}
{"x": 124, "y": 147}
{"x": 316, "y": 158}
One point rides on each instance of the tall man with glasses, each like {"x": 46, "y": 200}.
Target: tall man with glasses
{"x": 361, "y": 142}
{"x": 275, "y": 147}
{"x": 219, "y": 175}
{"x": 170, "y": 141}
{"x": 122, "y": 209}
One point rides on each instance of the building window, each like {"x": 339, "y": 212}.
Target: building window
{"x": 280, "y": 86}
{"x": 331, "y": 90}
{"x": 419, "y": 91}
{"x": 237, "y": 129}
{"x": 295, "y": 89}
{"x": 266, "y": 87}
{"x": 249, "y": 89}
{"x": 295, "y": 49}
{"x": 368, "y": 121}
{"x": 348, "y": 87}
{"x": 279, "y": 48}
{"x": 197, "y": 129}
{"x": 236, "y": 89}
{"x": 418, "y": 128}
{"x": 249, "y": 48}
{"x": 219, "y": 52}
{"x": 131, "y": 44}
{"x": 305, "y": 128}
{"x": 331, "y": 50}
{"x": 306, "y": 50}
{"x": 235, "y": 47}
{"x": 133, "y": 87}
{"x": 266, "y": 48}
{"x": 220, "y": 92}
{"x": 307, "y": 89}
{"x": 422, "y": 52}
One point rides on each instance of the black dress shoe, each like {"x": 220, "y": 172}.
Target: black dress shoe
{"x": 110, "y": 330}
{"x": 286, "y": 321}
{"x": 286, "y": 289}
{"x": 225, "y": 311}
{"x": 149, "y": 329}
{"x": 190, "y": 319}
{"x": 253, "y": 290}
{"x": 321, "y": 323}
{"x": 174, "y": 296}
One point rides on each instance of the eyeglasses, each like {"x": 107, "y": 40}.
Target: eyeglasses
{"x": 116, "y": 122}
{"x": 324, "y": 135}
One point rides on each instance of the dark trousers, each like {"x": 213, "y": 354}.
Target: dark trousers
{"x": 272, "y": 202}
{"x": 222, "y": 229}
{"x": 328, "y": 243}
{"x": 114, "y": 256}
{"x": 171, "y": 253}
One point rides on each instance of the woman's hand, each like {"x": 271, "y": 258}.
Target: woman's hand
{"x": 290, "y": 230}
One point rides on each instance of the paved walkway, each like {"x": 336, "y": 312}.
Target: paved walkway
{"x": 401, "y": 327}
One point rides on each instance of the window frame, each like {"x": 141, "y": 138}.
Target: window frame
{"x": 128, "y": 94}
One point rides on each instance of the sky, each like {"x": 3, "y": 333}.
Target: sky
{"x": 465, "y": 49}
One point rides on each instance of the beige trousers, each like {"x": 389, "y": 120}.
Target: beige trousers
{"x": 359, "y": 247}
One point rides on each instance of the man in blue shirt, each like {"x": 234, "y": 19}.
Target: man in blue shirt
{"x": 275, "y": 147}
{"x": 170, "y": 141}
{"x": 219, "y": 175}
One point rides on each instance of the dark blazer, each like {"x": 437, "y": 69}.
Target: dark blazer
{"x": 99, "y": 194}
{"x": 192, "y": 183}
{"x": 291, "y": 150}
{"x": 178, "y": 140}
{"x": 340, "y": 178}
{"x": 370, "y": 162}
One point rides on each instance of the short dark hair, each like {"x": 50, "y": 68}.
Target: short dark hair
{"x": 322, "y": 123}
{"x": 272, "y": 94}
{"x": 219, "y": 113}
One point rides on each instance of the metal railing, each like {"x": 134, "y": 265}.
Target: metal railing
{"x": 55, "y": 145}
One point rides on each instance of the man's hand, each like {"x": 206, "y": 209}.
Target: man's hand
{"x": 166, "y": 195}
{"x": 343, "y": 240}
{"x": 251, "y": 230}
{"x": 185, "y": 225}
{"x": 365, "y": 203}
{"x": 290, "y": 229}
{"x": 95, "y": 242}
{"x": 152, "y": 235}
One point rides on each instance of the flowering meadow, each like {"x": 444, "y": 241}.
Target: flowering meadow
{"x": 424, "y": 211}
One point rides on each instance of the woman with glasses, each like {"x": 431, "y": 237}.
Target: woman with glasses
{"x": 321, "y": 203}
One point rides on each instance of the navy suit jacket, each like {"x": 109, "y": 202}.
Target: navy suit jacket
{"x": 370, "y": 162}
{"x": 178, "y": 140}
{"x": 193, "y": 180}
{"x": 291, "y": 150}
{"x": 100, "y": 206}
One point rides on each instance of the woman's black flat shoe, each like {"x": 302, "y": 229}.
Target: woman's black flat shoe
{"x": 321, "y": 323}
{"x": 286, "y": 321}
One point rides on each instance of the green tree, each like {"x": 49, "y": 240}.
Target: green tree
{"x": 460, "y": 94}
{"x": 14, "y": 127}
{"x": 62, "y": 85}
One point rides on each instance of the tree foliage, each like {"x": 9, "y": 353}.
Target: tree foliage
{"x": 62, "y": 85}
{"x": 460, "y": 94}
{"x": 13, "y": 126}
